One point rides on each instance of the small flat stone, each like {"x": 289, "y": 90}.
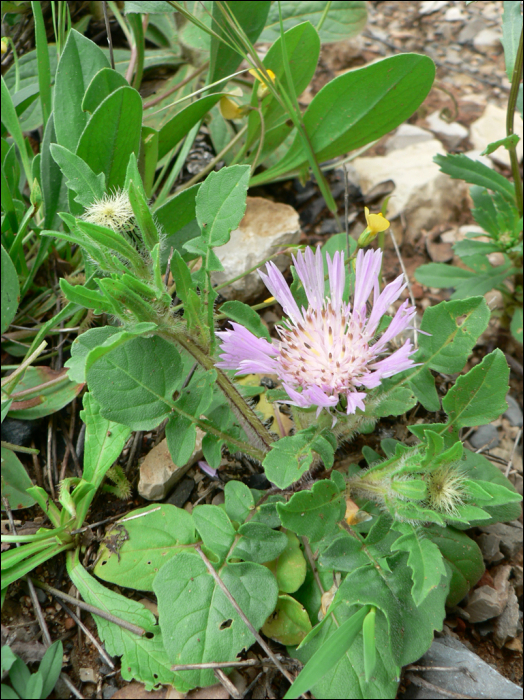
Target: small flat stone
{"x": 451, "y": 134}
{"x": 509, "y": 536}
{"x": 479, "y": 680}
{"x": 87, "y": 675}
{"x": 407, "y": 135}
{"x": 490, "y": 547}
{"x": 486, "y": 436}
{"x": 514, "y": 412}
{"x": 487, "y": 39}
{"x": 484, "y": 603}
{"x": 506, "y": 625}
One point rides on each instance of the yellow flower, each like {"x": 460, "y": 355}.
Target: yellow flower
{"x": 376, "y": 222}
{"x": 229, "y": 109}
{"x": 263, "y": 88}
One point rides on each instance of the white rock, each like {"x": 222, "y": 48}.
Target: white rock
{"x": 266, "y": 227}
{"x": 487, "y": 39}
{"x": 427, "y": 7}
{"x": 407, "y": 135}
{"x": 158, "y": 472}
{"x": 454, "y": 14}
{"x": 451, "y": 134}
{"x": 423, "y": 195}
{"x": 492, "y": 127}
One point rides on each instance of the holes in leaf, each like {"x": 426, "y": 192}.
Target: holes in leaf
{"x": 104, "y": 562}
{"x": 225, "y": 624}
{"x": 149, "y": 635}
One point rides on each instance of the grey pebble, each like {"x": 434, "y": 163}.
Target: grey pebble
{"x": 486, "y": 436}
{"x": 478, "y": 680}
{"x": 514, "y": 412}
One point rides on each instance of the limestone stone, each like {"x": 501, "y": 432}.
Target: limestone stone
{"x": 266, "y": 228}
{"x": 451, "y": 134}
{"x": 407, "y": 135}
{"x": 158, "y": 472}
{"x": 490, "y": 127}
{"x": 487, "y": 39}
{"x": 423, "y": 195}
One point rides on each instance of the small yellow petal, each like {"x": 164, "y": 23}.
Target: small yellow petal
{"x": 262, "y": 78}
{"x": 229, "y": 109}
{"x": 376, "y": 222}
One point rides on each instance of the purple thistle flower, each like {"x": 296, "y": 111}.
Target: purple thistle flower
{"x": 327, "y": 350}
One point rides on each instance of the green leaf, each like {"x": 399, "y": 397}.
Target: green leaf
{"x": 11, "y": 123}
{"x": 516, "y": 325}
{"x": 34, "y": 685}
{"x": 179, "y": 126}
{"x": 80, "y": 61}
{"x": 26, "y": 71}
{"x": 259, "y": 543}
{"x": 511, "y": 32}
{"x": 313, "y": 513}
{"x": 54, "y": 190}
{"x": 289, "y": 568}
{"x": 328, "y": 655}
{"x": 454, "y": 327}
{"x": 214, "y": 528}
{"x": 369, "y": 648}
{"x": 195, "y": 399}
{"x": 15, "y": 481}
{"x": 292, "y": 456}
{"x": 358, "y": 107}
{"x": 442, "y": 275}
{"x": 199, "y": 623}
{"x": 143, "y": 657}
{"x": 133, "y": 552}
{"x": 463, "y": 556}
{"x": 239, "y": 501}
{"x": 134, "y": 383}
{"x": 460, "y": 167}
{"x": 112, "y": 134}
{"x": 222, "y": 60}
{"x": 104, "y": 440}
{"x": 479, "y": 396}
{"x": 101, "y": 86}
{"x": 424, "y": 560}
{"x": 182, "y": 276}
{"x": 468, "y": 247}
{"x": 80, "y": 178}
{"x": 10, "y": 290}
{"x": 289, "y": 623}
{"x": 484, "y": 282}
{"x": 478, "y": 468}
{"x": 49, "y": 399}
{"x": 177, "y": 217}
{"x": 50, "y": 667}
{"x": 508, "y": 142}
{"x": 221, "y": 202}
{"x": 302, "y": 50}
{"x": 345, "y": 553}
{"x": 244, "y": 314}
{"x": 344, "y": 19}
{"x": 81, "y": 347}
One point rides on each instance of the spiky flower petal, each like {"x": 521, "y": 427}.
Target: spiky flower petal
{"x": 328, "y": 350}
{"x": 113, "y": 211}
{"x": 446, "y": 489}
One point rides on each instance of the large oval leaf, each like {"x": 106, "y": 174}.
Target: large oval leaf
{"x": 80, "y": 61}
{"x": 358, "y": 107}
{"x": 112, "y": 134}
{"x": 43, "y": 397}
{"x": 345, "y": 18}
{"x": 10, "y": 290}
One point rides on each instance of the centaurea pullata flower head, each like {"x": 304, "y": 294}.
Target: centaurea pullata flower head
{"x": 328, "y": 351}
{"x": 113, "y": 211}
